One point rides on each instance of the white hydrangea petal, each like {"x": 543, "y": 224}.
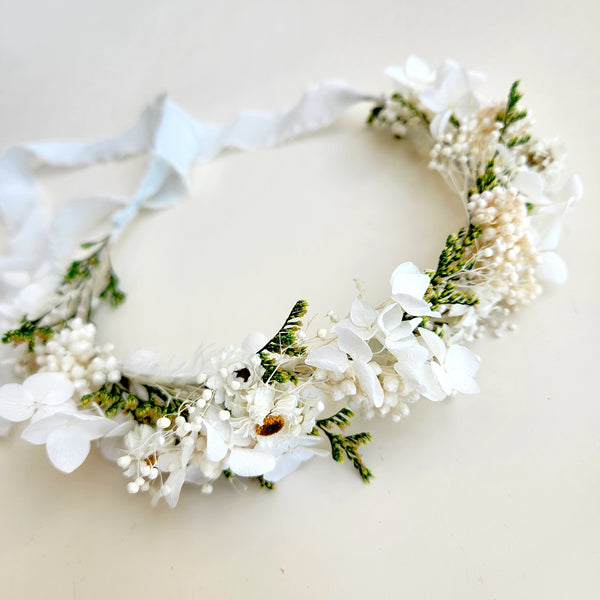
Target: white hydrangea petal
{"x": 5, "y": 427}
{"x": 248, "y": 462}
{"x": 365, "y": 333}
{"x": 328, "y": 357}
{"x": 572, "y": 191}
{"x": 195, "y": 475}
{"x": 546, "y": 228}
{"x": 463, "y": 382}
{"x": 216, "y": 448}
{"x": 390, "y": 318}
{"x": 435, "y": 343}
{"x": 352, "y": 344}
{"x": 37, "y": 432}
{"x": 439, "y": 123}
{"x": 43, "y": 412}
{"x": 460, "y": 358}
{"x": 362, "y": 313}
{"x": 531, "y": 185}
{"x": 419, "y": 69}
{"x": 173, "y": 487}
{"x": 67, "y": 448}
{"x": 254, "y": 342}
{"x": 285, "y": 464}
{"x": 466, "y": 107}
{"x": 16, "y": 403}
{"x": 369, "y": 382}
{"x": 408, "y": 279}
{"x": 443, "y": 378}
{"x": 433, "y": 390}
{"x": 410, "y": 362}
{"x": 49, "y": 388}
{"x": 552, "y": 268}
{"x": 93, "y": 426}
{"x": 415, "y": 306}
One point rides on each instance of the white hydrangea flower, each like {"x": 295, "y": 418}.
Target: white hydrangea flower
{"x": 453, "y": 93}
{"x": 67, "y": 436}
{"x": 451, "y": 368}
{"x": 19, "y": 402}
{"x": 415, "y": 75}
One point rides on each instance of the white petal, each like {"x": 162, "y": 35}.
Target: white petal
{"x": 415, "y": 306}
{"x": 216, "y": 448}
{"x": 552, "y": 268}
{"x": 435, "y": 343}
{"x": 439, "y": 123}
{"x": 250, "y": 463}
{"x": 410, "y": 362}
{"x": 43, "y": 412}
{"x": 37, "y": 432}
{"x": 460, "y": 358}
{"x": 92, "y": 426}
{"x": 49, "y": 388}
{"x": 16, "y": 403}
{"x": 174, "y": 484}
{"x": 433, "y": 389}
{"x": 546, "y": 228}
{"x": 195, "y": 475}
{"x": 329, "y": 357}
{"x": 369, "y": 382}
{"x": 408, "y": 279}
{"x": 5, "y": 427}
{"x": 353, "y": 345}
{"x": 362, "y": 313}
{"x": 254, "y": 342}
{"x": 464, "y": 383}
{"x": 572, "y": 191}
{"x": 531, "y": 185}
{"x": 443, "y": 378}
{"x": 67, "y": 448}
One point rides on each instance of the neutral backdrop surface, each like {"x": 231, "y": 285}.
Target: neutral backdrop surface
{"x": 494, "y": 496}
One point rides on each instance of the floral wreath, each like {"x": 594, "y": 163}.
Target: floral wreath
{"x": 261, "y": 409}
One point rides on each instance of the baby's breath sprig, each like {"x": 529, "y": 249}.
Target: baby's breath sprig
{"x": 347, "y": 444}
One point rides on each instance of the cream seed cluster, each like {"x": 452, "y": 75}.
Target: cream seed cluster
{"x": 259, "y": 410}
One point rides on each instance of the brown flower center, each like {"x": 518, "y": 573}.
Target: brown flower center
{"x": 271, "y": 425}
{"x": 243, "y": 374}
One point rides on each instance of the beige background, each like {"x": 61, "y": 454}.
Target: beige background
{"x": 489, "y": 497}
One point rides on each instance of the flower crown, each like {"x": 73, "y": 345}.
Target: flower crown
{"x": 261, "y": 409}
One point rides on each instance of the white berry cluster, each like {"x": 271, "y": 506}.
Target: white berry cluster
{"x": 73, "y": 352}
{"x": 345, "y": 387}
{"x": 507, "y": 257}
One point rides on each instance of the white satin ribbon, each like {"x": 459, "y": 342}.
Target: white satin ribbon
{"x": 173, "y": 141}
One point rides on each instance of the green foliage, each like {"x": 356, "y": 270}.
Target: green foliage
{"x": 284, "y": 345}
{"x": 518, "y": 140}
{"x": 374, "y": 114}
{"x": 80, "y": 271}
{"x": 400, "y": 99}
{"x": 397, "y": 97}
{"x": 115, "y": 397}
{"x": 487, "y": 180}
{"x": 512, "y": 114}
{"x": 29, "y": 333}
{"x": 452, "y": 263}
{"x": 344, "y": 444}
{"x": 268, "y": 485}
{"x": 112, "y": 293}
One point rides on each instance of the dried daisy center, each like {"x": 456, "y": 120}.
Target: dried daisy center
{"x": 243, "y": 374}
{"x": 271, "y": 425}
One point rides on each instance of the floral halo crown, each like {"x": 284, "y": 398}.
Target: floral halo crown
{"x": 260, "y": 410}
